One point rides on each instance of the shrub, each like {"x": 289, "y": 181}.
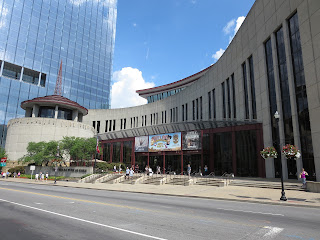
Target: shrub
{"x": 17, "y": 169}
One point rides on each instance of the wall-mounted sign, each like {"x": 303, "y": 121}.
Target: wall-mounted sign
{"x": 3, "y": 162}
{"x": 165, "y": 142}
{"x": 191, "y": 140}
{"x": 141, "y": 144}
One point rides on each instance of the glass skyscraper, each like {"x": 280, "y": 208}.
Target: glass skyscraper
{"x": 36, "y": 35}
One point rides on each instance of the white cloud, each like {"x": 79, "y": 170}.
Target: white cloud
{"x": 218, "y": 54}
{"x": 228, "y": 28}
{"x": 134, "y": 24}
{"x": 126, "y": 82}
{"x": 239, "y": 23}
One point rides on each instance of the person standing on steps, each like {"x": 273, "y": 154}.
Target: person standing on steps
{"x": 303, "y": 175}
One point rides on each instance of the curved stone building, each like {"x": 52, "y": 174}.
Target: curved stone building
{"x": 272, "y": 64}
{"x": 47, "y": 118}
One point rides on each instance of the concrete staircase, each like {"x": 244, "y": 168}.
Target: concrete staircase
{"x": 132, "y": 180}
{"x": 209, "y": 182}
{"x": 267, "y": 184}
{"x": 113, "y": 178}
{"x": 154, "y": 180}
{"x": 182, "y": 181}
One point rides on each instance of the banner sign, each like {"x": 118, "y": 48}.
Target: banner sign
{"x": 165, "y": 142}
{"x": 191, "y": 140}
{"x": 141, "y": 144}
{"x": 3, "y": 162}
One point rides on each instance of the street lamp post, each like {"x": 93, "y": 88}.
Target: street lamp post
{"x": 283, "y": 194}
{"x": 55, "y": 167}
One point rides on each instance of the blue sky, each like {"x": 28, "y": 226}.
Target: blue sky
{"x": 162, "y": 41}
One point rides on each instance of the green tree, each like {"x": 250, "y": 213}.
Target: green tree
{"x": 79, "y": 148}
{"x": 41, "y": 152}
{"x": 2, "y": 152}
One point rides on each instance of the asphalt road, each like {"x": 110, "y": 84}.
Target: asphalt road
{"x": 31, "y": 211}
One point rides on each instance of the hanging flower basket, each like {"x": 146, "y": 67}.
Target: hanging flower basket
{"x": 291, "y": 151}
{"x": 269, "y": 152}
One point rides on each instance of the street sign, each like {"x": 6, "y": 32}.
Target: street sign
{"x": 3, "y": 162}
{"x": 32, "y": 168}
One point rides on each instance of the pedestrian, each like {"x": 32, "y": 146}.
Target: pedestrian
{"x": 158, "y": 170}
{"x": 303, "y": 175}
{"x": 37, "y": 176}
{"x": 150, "y": 171}
{"x": 14, "y": 175}
{"x": 189, "y": 170}
{"x": 127, "y": 173}
{"x": 114, "y": 168}
{"x": 131, "y": 173}
{"x": 8, "y": 173}
{"x": 136, "y": 168}
{"x": 40, "y": 176}
{"x": 206, "y": 171}
{"x": 19, "y": 174}
{"x": 47, "y": 176}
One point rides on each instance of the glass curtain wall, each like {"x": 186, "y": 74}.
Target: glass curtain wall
{"x": 301, "y": 97}
{"x": 273, "y": 104}
{"x": 37, "y": 35}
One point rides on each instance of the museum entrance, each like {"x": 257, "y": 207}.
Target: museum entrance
{"x": 195, "y": 162}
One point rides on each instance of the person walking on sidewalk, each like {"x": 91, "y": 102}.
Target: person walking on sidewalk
{"x": 303, "y": 175}
{"x": 189, "y": 170}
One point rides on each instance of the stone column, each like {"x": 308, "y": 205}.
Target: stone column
{"x": 56, "y": 112}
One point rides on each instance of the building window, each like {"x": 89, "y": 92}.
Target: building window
{"x": 272, "y": 101}
{"x": 106, "y": 128}
{"x": 301, "y": 97}
{"x": 165, "y": 116}
{"x": 98, "y": 126}
{"x": 245, "y": 89}
{"x": 151, "y": 119}
{"x": 124, "y": 123}
{"x": 145, "y": 120}
{"x": 11, "y": 71}
{"x": 197, "y": 107}
{"x": 233, "y": 96}
{"x": 228, "y": 98}
{"x": 200, "y": 108}
{"x": 110, "y": 125}
{"x": 182, "y": 111}
{"x": 171, "y": 115}
{"x": 30, "y": 76}
{"x": 193, "y": 110}
{"x": 47, "y": 112}
{"x": 253, "y": 91}
{"x": 209, "y": 104}
{"x": 64, "y": 114}
{"x": 214, "y": 103}
{"x": 186, "y": 111}
{"x": 114, "y": 125}
{"x": 284, "y": 88}
{"x": 176, "y": 114}
{"x": 223, "y": 100}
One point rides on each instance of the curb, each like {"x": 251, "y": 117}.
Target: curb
{"x": 176, "y": 195}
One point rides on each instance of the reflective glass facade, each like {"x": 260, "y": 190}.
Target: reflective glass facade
{"x": 36, "y": 35}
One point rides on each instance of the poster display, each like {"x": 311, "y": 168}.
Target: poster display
{"x": 141, "y": 144}
{"x": 165, "y": 142}
{"x": 191, "y": 140}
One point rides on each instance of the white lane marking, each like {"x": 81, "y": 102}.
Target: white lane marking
{"x": 233, "y": 210}
{"x": 38, "y": 203}
{"x": 265, "y": 233}
{"x": 273, "y": 231}
{"x": 86, "y": 221}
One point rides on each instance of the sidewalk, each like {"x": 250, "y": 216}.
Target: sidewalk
{"x": 232, "y": 193}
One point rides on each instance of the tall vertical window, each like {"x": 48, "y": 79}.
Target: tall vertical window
{"x": 209, "y": 104}
{"x": 272, "y": 101}
{"x": 171, "y": 115}
{"x": 98, "y": 126}
{"x": 214, "y": 103}
{"x": 245, "y": 89}
{"x": 176, "y": 114}
{"x": 228, "y": 98}
{"x": 182, "y": 113}
{"x": 223, "y": 100}
{"x": 233, "y": 96}
{"x": 301, "y": 97}
{"x": 106, "y": 128}
{"x": 201, "y": 108}
{"x": 193, "y": 110}
{"x": 253, "y": 91}
{"x": 186, "y": 111}
{"x": 165, "y": 116}
{"x": 284, "y": 88}
{"x": 197, "y": 107}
